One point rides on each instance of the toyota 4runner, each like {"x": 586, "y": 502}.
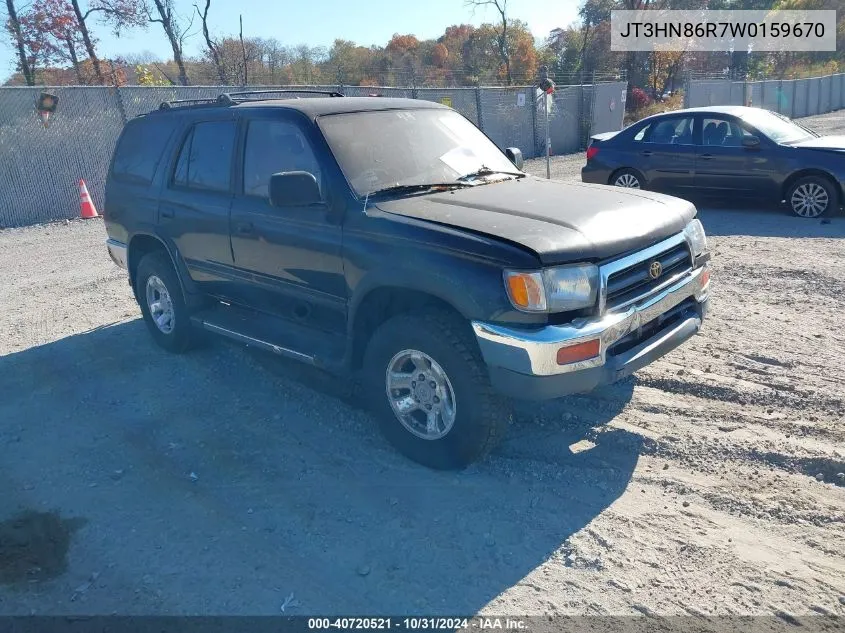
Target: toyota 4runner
{"x": 392, "y": 239}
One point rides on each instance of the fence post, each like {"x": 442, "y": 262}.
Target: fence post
{"x": 120, "y": 106}
{"x": 807, "y": 100}
{"x": 581, "y": 118}
{"x": 478, "y": 107}
{"x": 819, "y": 106}
{"x": 792, "y": 107}
{"x": 830, "y": 102}
{"x": 533, "y": 102}
{"x": 594, "y": 91}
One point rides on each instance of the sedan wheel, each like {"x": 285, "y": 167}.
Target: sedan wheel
{"x": 809, "y": 198}
{"x": 627, "y": 179}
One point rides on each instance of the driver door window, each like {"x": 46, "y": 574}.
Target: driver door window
{"x": 722, "y": 132}
{"x": 274, "y": 146}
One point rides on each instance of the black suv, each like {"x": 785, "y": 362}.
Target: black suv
{"x": 390, "y": 238}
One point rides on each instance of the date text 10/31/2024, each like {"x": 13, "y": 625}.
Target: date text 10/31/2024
{"x": 417, "y": 624}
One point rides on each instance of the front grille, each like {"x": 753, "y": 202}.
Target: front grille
{"x": 626, "y": 285}
{"x": 672, "y": 317}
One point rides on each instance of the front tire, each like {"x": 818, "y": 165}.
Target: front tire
{"x": 628, "y": 179}
{"x": 812, "y": 197}
{"x": 162, "y": 303}
{"x": 430, "y": 389}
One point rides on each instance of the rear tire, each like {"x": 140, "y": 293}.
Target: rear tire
{"x": 159, "y": 294}
{"x": 628, "y": 179}
{"x": 469, "y": 418}
{"x": 812, "y": 197}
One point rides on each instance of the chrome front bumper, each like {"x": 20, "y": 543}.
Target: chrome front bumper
{"x": 514, "y": 355}
{"x": 117, "y": 252}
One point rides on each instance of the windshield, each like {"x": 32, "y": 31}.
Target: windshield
{"x": 389, "y": 148}
{"x": 779, "y": 129}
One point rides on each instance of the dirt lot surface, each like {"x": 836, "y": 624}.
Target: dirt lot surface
{"x": 224, "y": 482}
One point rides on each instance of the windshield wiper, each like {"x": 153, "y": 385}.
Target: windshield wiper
{"x": 419, "y": 187}
{"x": 486, "y": 171}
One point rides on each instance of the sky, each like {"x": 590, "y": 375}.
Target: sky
{"x": 320, "y": 22}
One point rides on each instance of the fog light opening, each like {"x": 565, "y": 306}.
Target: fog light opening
{"x": 578, "y": 352}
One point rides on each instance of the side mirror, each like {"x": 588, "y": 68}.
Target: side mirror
{"x": 514, "y": 154}
{"x": 750, "y": 142}
{"x": 294, "y": 189}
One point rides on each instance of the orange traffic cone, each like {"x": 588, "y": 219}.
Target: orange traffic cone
{"x": 88, "y": 209}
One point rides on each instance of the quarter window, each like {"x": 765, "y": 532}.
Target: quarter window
{"x": 140, "y": 148}
{"x": 274, "y": 146}
{"x": 639, "y": 136}
{"x": 205, "y": 160}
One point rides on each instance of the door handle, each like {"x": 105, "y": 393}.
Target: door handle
{"x": 167, "y": 213}
{"x": 244, "y": 228}
{"x": 646, "y": 152}
{"x": 706, "y": 156}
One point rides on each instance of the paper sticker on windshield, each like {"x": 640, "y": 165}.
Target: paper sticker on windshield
{"x": 462, "y": 159}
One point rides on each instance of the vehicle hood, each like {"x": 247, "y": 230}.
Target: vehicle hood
{"x": 823, "y": 142}
{"x": 560, "y": 222}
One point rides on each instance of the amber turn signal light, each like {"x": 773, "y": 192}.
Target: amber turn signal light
{"x": 579, "y": 352}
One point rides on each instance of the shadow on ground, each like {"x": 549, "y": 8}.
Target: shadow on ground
{"x": 212, "y": 485}
{"x": 726, "y": 218}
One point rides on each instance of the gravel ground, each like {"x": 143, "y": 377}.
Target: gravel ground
{"x": 226, "y": 482}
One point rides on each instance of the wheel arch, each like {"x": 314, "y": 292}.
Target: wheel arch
{"x": 812, "y": 171}
{"x": 380, "y": 303}
{"x": 142, "y": 244}
{"x": 617, "y": 171}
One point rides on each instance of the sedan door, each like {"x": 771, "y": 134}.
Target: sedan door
{"x": 291, "y": 257}
{"x": 724, "y": 167}
{"x": 666, "y": 155}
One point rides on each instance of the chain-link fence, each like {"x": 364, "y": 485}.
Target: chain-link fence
{"x": 42, "y": 166}
{"x": 791, "y": 97}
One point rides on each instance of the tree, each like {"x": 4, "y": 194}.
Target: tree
{"x": 440, "y": 55}
{"x": 120, "y": 14}
{"x": 175, "y": 29}
{"x": 210, "y": 45}
{"x": 592, "y": 13}
{"x": 503, "y": 45}
{"x": 14, "y": 27}
{"x": 49, "y": 34}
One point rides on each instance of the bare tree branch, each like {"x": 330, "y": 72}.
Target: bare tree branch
{"x": 210, "y": 44}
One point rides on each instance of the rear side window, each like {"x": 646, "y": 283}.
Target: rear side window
{"x": 140, "y": 148}
{"x": 205, "y": 158}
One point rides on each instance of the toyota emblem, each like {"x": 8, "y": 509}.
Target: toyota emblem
{"x": 655, "y": 269}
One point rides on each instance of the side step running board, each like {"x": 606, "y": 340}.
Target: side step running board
{"x": 250, "y": 340}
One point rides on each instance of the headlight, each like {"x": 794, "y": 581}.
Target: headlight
{"x": 694, "y": 234}
{"x": 558, "y": 289}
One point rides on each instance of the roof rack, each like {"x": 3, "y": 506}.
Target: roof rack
{"x": 231, "y": 98}
{"x": 237, "y": 96}
{"x": 166, "y": 105}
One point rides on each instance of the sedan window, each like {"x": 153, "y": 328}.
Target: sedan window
{"x": 723, "y": 132}
{"x": 674, "y": 131}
